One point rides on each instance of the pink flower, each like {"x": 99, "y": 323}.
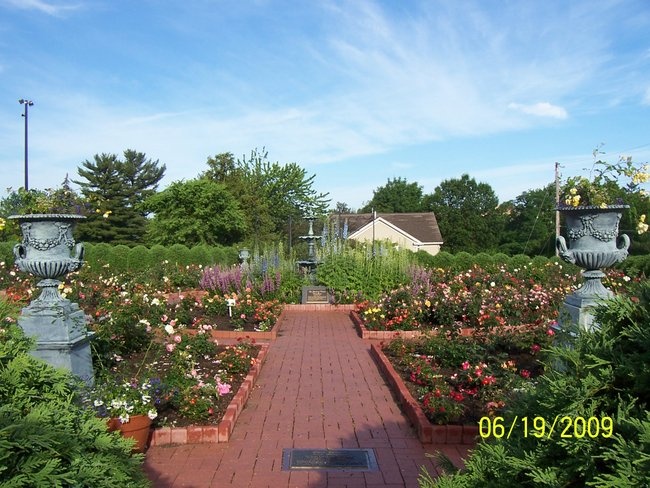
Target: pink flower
{"x": 177, "y": 339}
{"x": 242, "y": 316}
{"x": 466, "y": 365}
{"x": 164, "y": 318}
{"x": 170, "y": 347}
{"x": 534, "y": 349}
{"x": 524, "y": 373}
{"x": 223, "y": 388}
{"x": 550, "y": 332}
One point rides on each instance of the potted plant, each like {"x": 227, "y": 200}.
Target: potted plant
{"x": 129, "y": 406}
{"x": 592, "y": 208}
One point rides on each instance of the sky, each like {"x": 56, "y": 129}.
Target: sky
{"x": 356, "y": 92}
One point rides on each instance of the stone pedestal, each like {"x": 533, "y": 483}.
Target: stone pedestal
{"x": 577, "y": 310}
{"x": 61, "y": 336}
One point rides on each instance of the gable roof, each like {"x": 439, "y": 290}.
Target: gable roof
{"x": 421, "y": 226}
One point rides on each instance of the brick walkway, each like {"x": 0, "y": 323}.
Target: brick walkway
{"x": 318, "y": 388}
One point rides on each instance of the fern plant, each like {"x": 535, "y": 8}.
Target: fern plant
{"x": 46, "y": 437}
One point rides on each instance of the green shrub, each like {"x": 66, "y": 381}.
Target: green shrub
{"x": 97, "y": 255}
{"x": 7, "y": 253}
{"x": 118, "y": 258}
{"x": 463, "y": 261}
{"x": 46, "y": 437}
{"x": 200, "y": 255}
{"x": 139, "y": 259}
{"x": 604, "y": 374}
{"x": 178, "y": 254}
{"x": 444, "y": 260}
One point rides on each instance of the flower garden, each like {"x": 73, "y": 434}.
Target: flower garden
{"x": 485, "y": 330}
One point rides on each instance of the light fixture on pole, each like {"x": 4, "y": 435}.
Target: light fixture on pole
{"x": 27, "y": 104}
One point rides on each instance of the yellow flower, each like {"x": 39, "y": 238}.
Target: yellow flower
{"x": 2, "y": 223}
{"x": 641, "y": 226}
{"x": 107, "y": 213}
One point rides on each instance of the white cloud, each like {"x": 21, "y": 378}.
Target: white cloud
{"x": 540, "y": 109}
{"x": 49, "y": 8}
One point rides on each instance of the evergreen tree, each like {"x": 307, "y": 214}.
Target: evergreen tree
{"x": 117, "y": 188}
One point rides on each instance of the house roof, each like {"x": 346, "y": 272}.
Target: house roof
{"x": 422, "y": 226}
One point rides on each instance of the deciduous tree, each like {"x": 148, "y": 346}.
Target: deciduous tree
{"x": 195, "y": 212}
{"x": 397, "y": 195}
{"x": 467, "y": 214}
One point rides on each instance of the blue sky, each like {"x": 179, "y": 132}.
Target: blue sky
{"x": 356, "y": 92}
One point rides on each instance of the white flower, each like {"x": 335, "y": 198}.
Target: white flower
{"x": 155, "y": 301}
{"x": 98, "y": 403}
{"x": 124, "y": 418}
{"x": 169, "y": 329}
{"x": 152, "y": 414}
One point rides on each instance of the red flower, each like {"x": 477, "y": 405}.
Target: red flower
{"x": 524, "y": 373}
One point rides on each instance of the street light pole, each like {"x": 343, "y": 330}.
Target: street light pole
{"x": 27, "y": 104}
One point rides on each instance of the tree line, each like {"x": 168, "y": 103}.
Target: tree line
{"x": 252, "y": 201}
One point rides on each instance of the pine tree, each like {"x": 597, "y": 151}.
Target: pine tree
{"x": 117, "y": 188}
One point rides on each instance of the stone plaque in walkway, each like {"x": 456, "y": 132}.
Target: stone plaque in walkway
{"x": 329, "y": 459}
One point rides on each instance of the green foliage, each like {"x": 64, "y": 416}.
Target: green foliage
{"x": 530, "y": 223}
{"x": 97, "y": 255}
{"x": 179, "y": 254}
{"x": 467, "y": 214}
{"x": 193, "y": 212}
{"x": 268, "y": 193}
{"x": 397, "y": 196}
{"x": 138, "y": 259}
{"x": 354, "y": 270}
{"x": 121, "y": 186}
{"x": 119, "y": 258}
{"x": 46, "y": 438}
{"x": 600, "y": 374}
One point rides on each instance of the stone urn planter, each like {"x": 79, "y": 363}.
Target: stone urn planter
{"x": 593, "y": 244}
{"x": 48, "y": 250}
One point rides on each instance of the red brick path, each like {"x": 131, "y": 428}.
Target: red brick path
{"x": 319, "y": 388}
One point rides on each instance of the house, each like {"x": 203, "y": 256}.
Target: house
{"x": 414, "y": 231}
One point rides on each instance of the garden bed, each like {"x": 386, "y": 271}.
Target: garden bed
{"x": 446, "y": 384}
{"x": 389, "y": 335}
{"x": 206, "y": 434}
{"x": 427, "y": 432}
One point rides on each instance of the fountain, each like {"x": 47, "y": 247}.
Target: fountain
{"x": 312, "y": 293}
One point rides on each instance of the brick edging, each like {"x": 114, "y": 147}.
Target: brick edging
{"x": 314, "y": 307}
{"x": 427, "y": 432}
{"x": 204, "y": 434}
{"x": 381, "y": 335}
